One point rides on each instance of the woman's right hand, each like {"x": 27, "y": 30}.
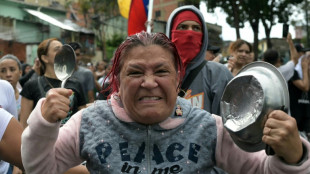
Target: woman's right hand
{"x": 56, "y": 105}
{"x": 231, "y": 63}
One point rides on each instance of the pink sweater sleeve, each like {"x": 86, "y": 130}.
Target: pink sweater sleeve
{"x": 235, "y": 161}
{"x": 48, "y": 149}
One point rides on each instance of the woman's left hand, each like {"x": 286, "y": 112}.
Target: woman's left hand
{"x": 281, "y": 133}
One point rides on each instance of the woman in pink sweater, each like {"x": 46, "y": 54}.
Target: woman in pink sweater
{"x": 145, "y": 128}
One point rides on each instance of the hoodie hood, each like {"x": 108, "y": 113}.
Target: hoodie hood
{"x": 201, "y": 55}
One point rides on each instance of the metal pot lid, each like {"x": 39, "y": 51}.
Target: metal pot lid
{"x": 248, "y": 98}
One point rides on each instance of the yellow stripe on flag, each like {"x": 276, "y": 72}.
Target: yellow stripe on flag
{"x": 124, "y": 7}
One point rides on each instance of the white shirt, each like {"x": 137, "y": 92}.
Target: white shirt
{"x": 287, "y": 70}
{"x": 7, "y": 99}
{"x": 4, "y": 121}
{"x": 7, "y": 109}
{"x": 298, "y": 67}
{"x": 5, "y": 118}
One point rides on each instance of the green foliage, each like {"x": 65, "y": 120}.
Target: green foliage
{"x": 99, "y": 42}
{"x": 191, "y": 2}
{"x": 233, "y": 9}
{"x": 98, "y": 11}
{"x": 304, "y": 41}
{"x": 112, "y": 44}
{"x": 110, "y": 52}
{"x": 253, "y": 11}
{"x": 105, "y": 7}
{"x": 68, "y": 3}
{"x": 116, "y": 40}
{"x": 281, "y": 10}
{"x": 85, "y": 5}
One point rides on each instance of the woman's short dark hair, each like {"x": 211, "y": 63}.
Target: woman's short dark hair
{"x": 24, "y": 66}
{"x": 271, "y": 56}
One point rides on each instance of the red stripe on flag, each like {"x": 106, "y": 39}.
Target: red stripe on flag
{"x": 137, "y": 17}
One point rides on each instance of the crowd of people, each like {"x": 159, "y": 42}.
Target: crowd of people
{"x": 154, "y": 108}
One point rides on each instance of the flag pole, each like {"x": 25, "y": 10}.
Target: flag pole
{"x": 149, "y": 16}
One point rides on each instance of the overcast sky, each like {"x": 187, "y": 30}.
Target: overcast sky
{"x": 228, "y": 33}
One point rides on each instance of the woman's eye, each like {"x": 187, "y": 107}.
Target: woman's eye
{"x": 134, "y": 73}
{"x": 162, "y": 72}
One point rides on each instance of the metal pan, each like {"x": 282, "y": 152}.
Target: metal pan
{"x": 248, "y": 98}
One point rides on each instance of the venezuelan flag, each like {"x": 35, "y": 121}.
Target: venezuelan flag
{"x": 136, "y": 14}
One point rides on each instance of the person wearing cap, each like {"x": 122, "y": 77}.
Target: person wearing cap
{"x": 211, "y": 52}
{"x": 187, "y": 30}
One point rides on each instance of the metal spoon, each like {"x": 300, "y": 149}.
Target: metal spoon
{"x": 64, "y": 63}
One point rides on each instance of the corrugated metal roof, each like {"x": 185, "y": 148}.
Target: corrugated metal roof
{"x": 66, "y": 25}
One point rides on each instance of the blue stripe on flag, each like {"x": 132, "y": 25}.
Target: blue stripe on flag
{"x": 146, "y": 4}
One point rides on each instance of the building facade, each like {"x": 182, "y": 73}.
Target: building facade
{"x": 24, "y": 25}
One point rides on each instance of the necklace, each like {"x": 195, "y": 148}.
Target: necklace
{"x": 48, "y": 82}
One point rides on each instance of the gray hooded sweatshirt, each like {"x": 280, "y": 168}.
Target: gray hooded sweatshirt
{"x": 206, "y": 90}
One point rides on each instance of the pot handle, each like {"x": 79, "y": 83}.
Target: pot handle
{"x": 268, "y": 149}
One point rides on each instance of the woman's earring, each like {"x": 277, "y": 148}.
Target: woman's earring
{"x": 178, "y": 111}
{"x": 116, "y": 97}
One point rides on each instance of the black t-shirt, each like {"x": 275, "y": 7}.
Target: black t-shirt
{"x": 295, "y": 92}
{"x": 32, "y": 91}
{"x": 299, "y": 104}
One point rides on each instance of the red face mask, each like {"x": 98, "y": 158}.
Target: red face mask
{"x": 188, "y": 43}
